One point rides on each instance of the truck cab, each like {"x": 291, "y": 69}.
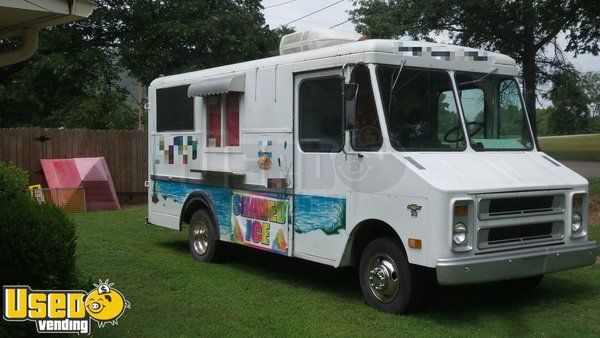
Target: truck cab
{"x": 400, "y": 157}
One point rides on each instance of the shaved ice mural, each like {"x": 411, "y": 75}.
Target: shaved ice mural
{"x": 260, "y": 221}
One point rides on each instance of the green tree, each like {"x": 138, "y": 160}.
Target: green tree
{"x": 522, "y": 29}
{"x": 73, "y": 80}
{"x": 169, "y": 37}
{"x": 543, "y": 124}
{"x": 66, "y": 77}
{"x": 570, "y": 113}
{"x": 591, "y": 83}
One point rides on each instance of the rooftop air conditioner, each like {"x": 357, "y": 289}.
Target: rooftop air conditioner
{"x": 314, "y": 39}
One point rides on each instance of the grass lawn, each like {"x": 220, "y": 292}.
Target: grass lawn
{"x": 258, "y": 293}
{"x": 574, "y": 148}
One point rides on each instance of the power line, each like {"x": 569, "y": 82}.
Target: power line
{"x": 367, "y": 12}
{"x": 279, "y": 4}
{"x": 311, "y": 13}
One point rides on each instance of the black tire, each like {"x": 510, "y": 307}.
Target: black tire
{"x": 204, "y": 238}
{"x": 407, "y": 280}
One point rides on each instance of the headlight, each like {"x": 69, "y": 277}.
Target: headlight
{"x": 576, "y": 222}
{"x": 459, "y": 234}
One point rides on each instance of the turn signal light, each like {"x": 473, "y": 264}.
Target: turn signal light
{"x": 577, "y": 201}
{"x": 461, "y": 210}
{"x": 415, "y": 243}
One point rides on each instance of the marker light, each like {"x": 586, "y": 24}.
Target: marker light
{"x": 459, "y": 234}
{"x": 577, "y": 202}
{"x": 461, "y": 210}
{"x": 415, "y": 243}
{"x": 576, "y": 222}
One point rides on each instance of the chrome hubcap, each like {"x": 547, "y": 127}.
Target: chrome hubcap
{"x": 383, "y": 277}
{"x": 200, "y": 237}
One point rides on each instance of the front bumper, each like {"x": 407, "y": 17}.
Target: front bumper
{"x": 511, "y": 265}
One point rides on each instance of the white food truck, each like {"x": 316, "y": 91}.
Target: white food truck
{"x": 405, "y": 158}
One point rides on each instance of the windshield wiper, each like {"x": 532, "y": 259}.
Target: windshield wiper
{"x": 394, "y": 83}
{"x": 481, "y": 78}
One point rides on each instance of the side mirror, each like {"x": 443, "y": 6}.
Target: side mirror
{"x": 349, "y": 92}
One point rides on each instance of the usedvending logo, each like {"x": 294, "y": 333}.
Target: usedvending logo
{"x": 64, "y": 311}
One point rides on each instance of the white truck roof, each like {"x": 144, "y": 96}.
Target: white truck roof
{"x": 416, "y": 53}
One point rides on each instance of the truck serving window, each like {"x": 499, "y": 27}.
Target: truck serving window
{"x": 174, "y": 109}
{"x": 420, "y": 109}
{"x": 493, "y": 112}
{"x": 223, "y": 120}
{"x": 320, "y": 115}
{"x": 367, "y": 136}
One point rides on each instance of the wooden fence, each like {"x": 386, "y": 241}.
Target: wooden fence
{"x": 125, "y": 151}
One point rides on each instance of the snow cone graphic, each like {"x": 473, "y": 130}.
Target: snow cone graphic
{"x": 279, "y": 243}
{"x": 237, "y": 232}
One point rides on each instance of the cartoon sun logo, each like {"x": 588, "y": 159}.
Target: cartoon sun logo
{"x": 105, "y": 304}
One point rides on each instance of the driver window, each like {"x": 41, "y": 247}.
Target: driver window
{"x": 367, "y": 136}
{"x": 320, "y": 116}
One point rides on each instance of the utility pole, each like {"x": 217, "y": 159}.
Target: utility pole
{"x": 140, "y": 105}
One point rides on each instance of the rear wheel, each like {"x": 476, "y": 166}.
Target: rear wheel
{"x": 204, "y": 238}
{"x": 388, "y": 282}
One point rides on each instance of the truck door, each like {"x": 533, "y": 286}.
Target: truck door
{"x": 325, "y": 161}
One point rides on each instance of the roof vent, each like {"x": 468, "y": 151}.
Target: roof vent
{"x": 314, "y": 39}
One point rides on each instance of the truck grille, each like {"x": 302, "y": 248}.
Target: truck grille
{"x": 516, "y": 220}
{"x": 512, "y": 235}
{"x": 520, "y": 233}
{"x": 520, "y": 206}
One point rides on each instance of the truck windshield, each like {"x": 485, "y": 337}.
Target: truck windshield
{"x": 493, "y": 112}
{"x": 420, "y": 109}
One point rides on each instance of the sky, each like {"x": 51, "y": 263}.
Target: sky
{"x": 279, "y": 15}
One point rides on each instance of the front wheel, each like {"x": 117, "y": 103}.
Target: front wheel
{"x": 204, "y": 238}
{"x": 388, "y": 282}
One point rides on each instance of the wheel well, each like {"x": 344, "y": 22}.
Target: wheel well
{"x": 190, "y": 209}
{"x": 368, "y": 230}
{"x": 197, "y": 200}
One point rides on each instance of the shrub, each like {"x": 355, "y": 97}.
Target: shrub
{"x": 37, "y": 242}
{"x": 37, "y": 245}
{"x": 12, "y": 180}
